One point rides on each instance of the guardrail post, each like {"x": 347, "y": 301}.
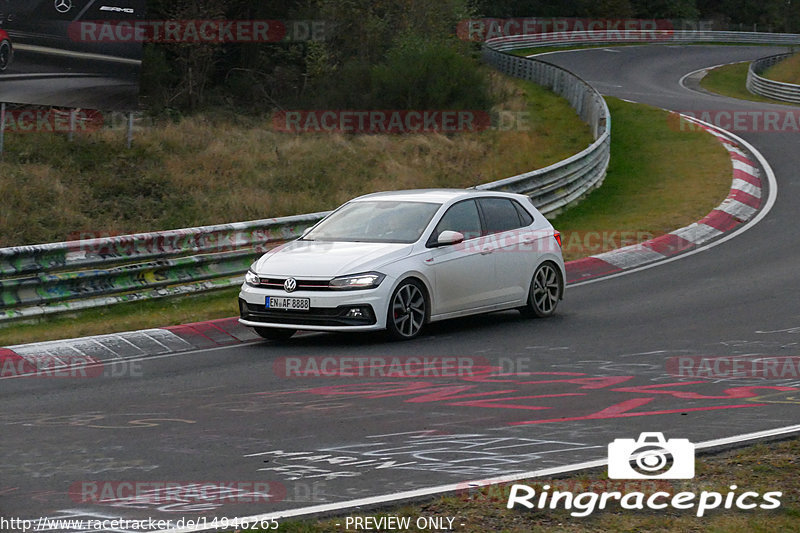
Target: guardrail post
{"x": 130, "y": 129}
{"x": 72, "y": 118}
{"x": 2, "y": 126}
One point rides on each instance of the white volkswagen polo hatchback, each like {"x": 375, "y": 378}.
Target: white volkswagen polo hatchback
{"x": 399, "y": 260}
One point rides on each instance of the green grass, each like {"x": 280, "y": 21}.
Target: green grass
{"x": 787, "y": 71}
{"x": 760, "y": 468}
{"x": 656, "y": 183}
{"x": 731, "y": 80}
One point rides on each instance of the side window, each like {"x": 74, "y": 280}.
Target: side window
{"x": 499, "y": 215}
{"x": 527, "y": 218}
{"x": 462, "y": 217}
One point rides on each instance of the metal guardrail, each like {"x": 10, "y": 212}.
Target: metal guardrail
{"x": 553, "y": 188}
{"x": 777, "y": 90}
{"x": 69, "y": 276}
{"x": 622, "y": 36}
{"x": 58, "y": 277}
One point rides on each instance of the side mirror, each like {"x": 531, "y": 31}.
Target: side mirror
{"x": 448, "y": 237}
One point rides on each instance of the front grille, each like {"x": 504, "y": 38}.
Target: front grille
{"x": 316, "y": 316}
{"x": 302, "y": 284}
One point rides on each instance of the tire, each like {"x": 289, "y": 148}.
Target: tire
{"x": 545, "y": 291}
{"x": 275, "y": 334}
{"x": 408, "y": 311}
{"x": 6, "y": 54}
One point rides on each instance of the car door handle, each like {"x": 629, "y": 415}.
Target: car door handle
{"x": 487, "y": 250}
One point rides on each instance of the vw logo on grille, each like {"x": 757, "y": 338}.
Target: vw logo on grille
{"x": 62, "y": 6}
{"x": 290, "y": 285}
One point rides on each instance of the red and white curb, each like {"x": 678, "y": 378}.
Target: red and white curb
{"x": 741, "y": 205}
{"x": 46, "y": 358}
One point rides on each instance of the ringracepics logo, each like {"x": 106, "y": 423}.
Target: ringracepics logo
{"x": 651, "y": 457}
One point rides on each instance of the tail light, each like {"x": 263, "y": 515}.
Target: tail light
{"x": 557, "y": 235}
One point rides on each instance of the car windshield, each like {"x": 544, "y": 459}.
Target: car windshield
{"x": 375, "y": 221}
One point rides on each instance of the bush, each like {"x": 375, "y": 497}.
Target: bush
{"x": 422, "y": 74}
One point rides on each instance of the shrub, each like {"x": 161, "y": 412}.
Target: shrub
{"x": 424, "y": 74}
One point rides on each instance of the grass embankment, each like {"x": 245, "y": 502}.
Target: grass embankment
{"x": 787, "y": 71}
{"x": 731, "y": 80}
{"x": 217, "y": 168}
{"x": 656, "y": 183}
{"x": 760, "y": 468}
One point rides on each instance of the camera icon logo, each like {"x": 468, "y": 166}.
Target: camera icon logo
{"x": 651, "y": 457}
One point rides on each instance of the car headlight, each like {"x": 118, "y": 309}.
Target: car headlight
{"x": 252, "y": 279}
{"x": 367, "y": 280}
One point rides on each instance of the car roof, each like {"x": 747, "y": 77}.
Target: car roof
{"x": 439, "y": 196}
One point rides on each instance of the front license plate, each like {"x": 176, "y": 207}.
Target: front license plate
{"x": 294, "y": 304}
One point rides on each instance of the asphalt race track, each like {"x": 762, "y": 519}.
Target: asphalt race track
{"x": 541, "y": 394}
